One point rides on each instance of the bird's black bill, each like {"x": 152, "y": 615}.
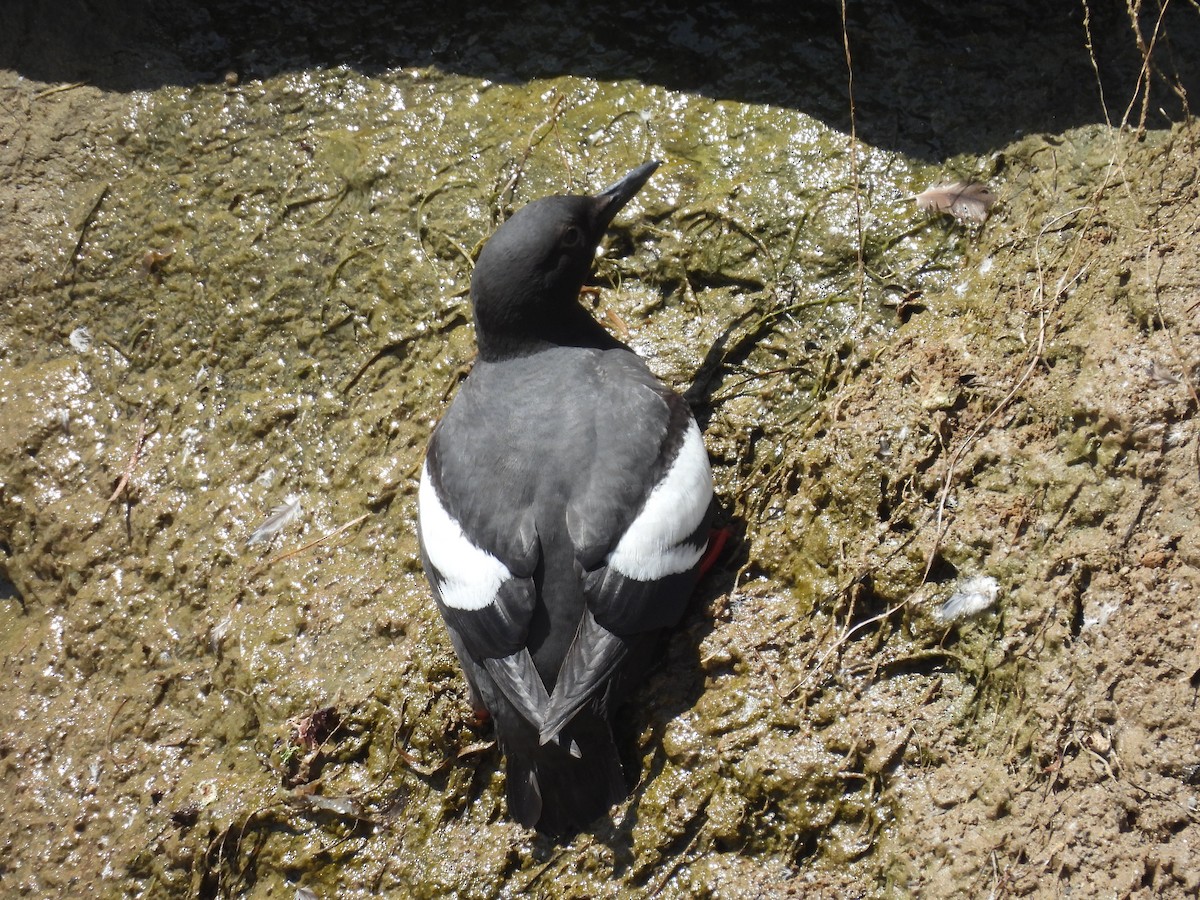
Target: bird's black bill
{"x": 615, "y": 196}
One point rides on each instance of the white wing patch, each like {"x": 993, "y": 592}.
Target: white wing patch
{"x": 652, "y": 548}
{"x": 469, "y": 577}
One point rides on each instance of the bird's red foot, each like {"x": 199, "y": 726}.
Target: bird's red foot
{"x": 717, "y": 538}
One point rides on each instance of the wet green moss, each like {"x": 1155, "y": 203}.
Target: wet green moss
{"x": 299, "y": 334}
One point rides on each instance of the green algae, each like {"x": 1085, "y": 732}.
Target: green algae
{"x": 296, "y": 333}
{"x": 299, "y": 336}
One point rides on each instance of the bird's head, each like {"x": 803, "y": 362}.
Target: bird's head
{"x": 525, "y": 287}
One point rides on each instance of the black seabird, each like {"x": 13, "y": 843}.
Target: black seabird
{"x": 565, "y": 505}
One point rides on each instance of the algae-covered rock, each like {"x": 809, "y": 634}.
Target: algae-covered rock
{"x": 237, "y": 248}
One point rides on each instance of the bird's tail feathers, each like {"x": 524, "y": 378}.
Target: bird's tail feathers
{"x": 561, "y": 787}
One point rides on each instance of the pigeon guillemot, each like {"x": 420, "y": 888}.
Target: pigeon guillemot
{"x": 564, "y": 508}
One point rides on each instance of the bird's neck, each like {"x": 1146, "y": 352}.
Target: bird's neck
{"x": 563, "y": 324}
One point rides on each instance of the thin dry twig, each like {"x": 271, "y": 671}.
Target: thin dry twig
{"x": 1180, "y": 360}
{"x": 961, "y": 450}
{"x": 218, "y": 842}
{"x": 108, "y": 733}
{"x": 337, "y": 270}
{"x": 540, "y": 871}
{"x": 1142, "y": 87}
{"x": 854, "y": 173}
{"x": 312, "y": 543}
{"x": 941, "y": 525}
{"x": 83, "y": 229}
{"x": 133, "y": 458}
{"x": 58, "y": 89}
{"x": 421, "y": 228}
{"x": 1091, "y": 49}
{"x": 534, "y": 140}
{"x": 677, "y": 863}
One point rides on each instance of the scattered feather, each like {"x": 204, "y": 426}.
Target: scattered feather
{"x": 1162, "y": 374}
{"x": 81, "y": 340}
{"x": 208, "y": 793}
{"x": 974, "y": 595}
{"x": 218, "y": 633}
{"x": 153, "y": 262}
{"x": 303, "y": 893}
{"x": 966, "y": 201}
{"x": 338, "y": 806}
{"x": 280, "y": 517}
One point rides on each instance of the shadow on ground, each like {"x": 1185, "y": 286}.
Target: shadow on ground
{"x": 918, "y": 67}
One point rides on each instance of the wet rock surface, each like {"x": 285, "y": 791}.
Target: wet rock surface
{"x": 236, "y": 245}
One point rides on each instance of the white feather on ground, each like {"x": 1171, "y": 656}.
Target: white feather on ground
{"x": 966, "y": 201}
{"x": 974, "y": 595}
{"x": 281, "y": 516}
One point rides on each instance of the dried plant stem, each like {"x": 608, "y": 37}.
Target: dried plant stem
{"x": 83, "y": 229}
{"x": 58, "y": 89}
{"x": 1177, "y": 352}
{"x": 312, "y": 543}
{"x": 939, "y": 517}
{"x": 680, "y": 859}
{"x": 854, "y": 173}
{"x": 337, "y": 270}
{"x": 536, "y": 136}
{"x": 961, "y": 451}
{"x": 956, "y": 457}
{"x": 133, "y": 458}
{"x": 1091, "y": 49}
{"x": 1134, "y": 7}
{"x": 108, "y": 733}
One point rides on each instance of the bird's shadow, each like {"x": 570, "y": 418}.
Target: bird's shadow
{"x": 671, "y": 688}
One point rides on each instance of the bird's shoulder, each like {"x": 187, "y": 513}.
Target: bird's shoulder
{"x": 555, "y": 416}
{"x": 580, "y": 432}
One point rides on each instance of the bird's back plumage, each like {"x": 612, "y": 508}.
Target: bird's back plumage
{"x": 564, "y": 506}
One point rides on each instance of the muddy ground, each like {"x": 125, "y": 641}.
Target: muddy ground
{"x": 234, "y": 248}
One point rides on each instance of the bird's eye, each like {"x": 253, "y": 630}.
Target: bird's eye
{"x": 572, "y": 237}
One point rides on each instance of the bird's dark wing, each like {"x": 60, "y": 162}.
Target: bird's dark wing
{"x": 645, "y": 577}
{"x": 486, "y": 600}
{"x": 621, "y": 486}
